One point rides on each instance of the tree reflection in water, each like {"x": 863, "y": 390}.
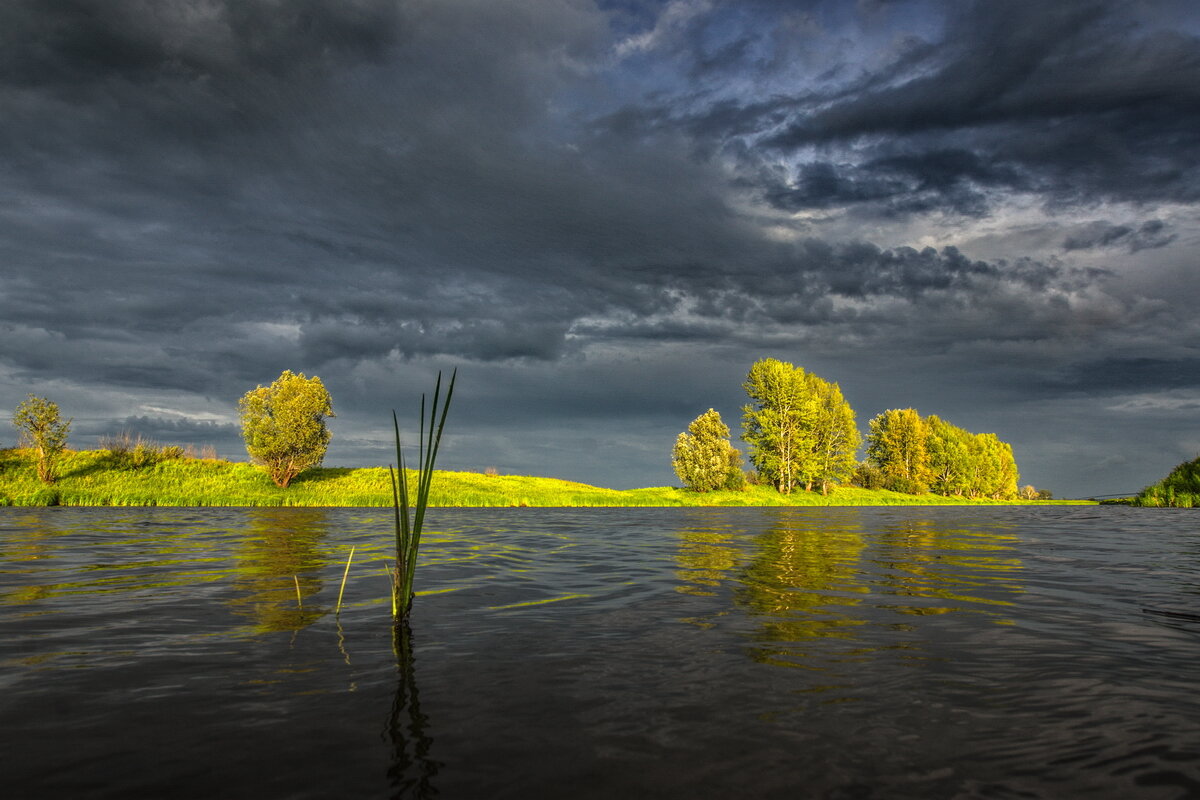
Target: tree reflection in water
{"x": 412, "y": 768}
{"x": 803, "y": 581}
{"x": 811, "y": 581}
{"x": 281, "y": 550}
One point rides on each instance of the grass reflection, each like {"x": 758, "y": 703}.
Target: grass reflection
{"x": 282, "y": 548}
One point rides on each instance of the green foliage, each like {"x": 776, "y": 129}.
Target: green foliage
{"x": 868, "y": 476}
{"x": 1180, "y": 489}
{"x": 703, "y": 457}
{"x": 834, "y": 436}
{"x": 88, "y": 479}
{"x": 948, "y": 451}
{"x": 798, "y": 426}
{"x": 919, "y": 454}
{"x": 40, "y": 428}
{"x": 897, "y": 445}
{"x": 408, "y": 532}
{"x": 133, "y": 452}
{"x": 284, "y": 425}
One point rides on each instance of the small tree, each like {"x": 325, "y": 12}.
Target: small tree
{"x": 284, "y": 425}
{"x": 703, "y": 457}
{"x": 41, "y": 430}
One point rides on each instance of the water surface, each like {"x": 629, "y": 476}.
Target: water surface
{"x": 829, "y": 653}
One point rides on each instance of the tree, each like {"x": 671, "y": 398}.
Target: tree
{"x": 947, "y": 450}
{"x": 897, "y": 445}
{"x": 777, "y": 421}
{"x": 835, "y": 437}
{"x": 284, "y": 425}
{"x": 703, "y": 457}
{"x": 41, "y": 429}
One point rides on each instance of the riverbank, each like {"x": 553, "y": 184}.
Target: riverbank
{"x": 103, "y": 478}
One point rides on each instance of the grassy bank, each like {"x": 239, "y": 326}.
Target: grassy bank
{"x": 102, "y": 478}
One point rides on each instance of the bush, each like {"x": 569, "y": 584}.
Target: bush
{"x": 905, "y": 485}
{"x": 867, "y": 476}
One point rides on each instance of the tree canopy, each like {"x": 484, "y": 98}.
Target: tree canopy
{"x": 917, "y": 454}
{"x": 704, "y": 458}
{"x": 37, "y": 420}
{"x": 798, "y": 426}
{"x": 284, "y": 425}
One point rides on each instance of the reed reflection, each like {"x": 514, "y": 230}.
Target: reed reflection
{"x": 412, "y": 768}
{"x": 278, "y": 565}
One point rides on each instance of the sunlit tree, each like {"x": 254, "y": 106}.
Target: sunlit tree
{"x": 777, "y": 421}
{"x": 949, "y": 459}
{"x": 834, "y": 436}
{"x": 284, "y": 425}
{"x": 41, "y": 429}
{"x": 897, "y": 445}
{"x": 703, "y": 457}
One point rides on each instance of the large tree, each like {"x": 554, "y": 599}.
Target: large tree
{"x": 284, "y": 425}
{"x": 43, "y": 431}
{"x": 777, "y": 422}
{"x": 703, "y": 457}
{"x": 948, "y": 451}
{"x": 834, "y": 436}
{"x": 897, "y": 445}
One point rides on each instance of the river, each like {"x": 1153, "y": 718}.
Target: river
{"x": 945, "y": 652}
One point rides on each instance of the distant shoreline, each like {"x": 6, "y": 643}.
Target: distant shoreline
{"x": 99, "y": 478}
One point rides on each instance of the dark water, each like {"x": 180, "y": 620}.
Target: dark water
{"x": 691, "y": 653}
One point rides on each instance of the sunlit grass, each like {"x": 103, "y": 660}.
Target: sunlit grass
{"x": 88, "y": 478}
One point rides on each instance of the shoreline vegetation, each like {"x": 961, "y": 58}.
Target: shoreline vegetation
{"x": 170, "y": 478}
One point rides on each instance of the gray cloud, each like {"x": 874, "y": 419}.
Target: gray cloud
{"x": 1150, "y": 234}
{"x": 196, "y": 196}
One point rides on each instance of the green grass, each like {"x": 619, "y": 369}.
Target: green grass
{"x": 97, "y": 478}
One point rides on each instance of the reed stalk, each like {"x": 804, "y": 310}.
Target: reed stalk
{"x": 342, "y": 590}
{"x": 408, "y": 530}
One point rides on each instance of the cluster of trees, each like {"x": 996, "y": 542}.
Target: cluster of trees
{"x": 910, "y": 453}
{"x": 283, "y": 425}
{"x": 799, "y": 428}
{"x": 800, "y": 431}
{"x": 1180, "y": 489}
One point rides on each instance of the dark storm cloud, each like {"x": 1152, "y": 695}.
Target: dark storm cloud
{"x": 72, "y": 44}
{"x": 1149, "y": 235}
{"x": 1117, "y": 375}
{"x": 180, "y": 431}
{"x": 584, "y": 201}
{"x": 1075, "y": 101}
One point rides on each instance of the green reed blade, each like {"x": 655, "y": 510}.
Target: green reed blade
{"x": 342, "y": 590}
{"x": 408, "y": 538}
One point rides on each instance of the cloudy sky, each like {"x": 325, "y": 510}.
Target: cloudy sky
{"x": 602, "y": 212}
